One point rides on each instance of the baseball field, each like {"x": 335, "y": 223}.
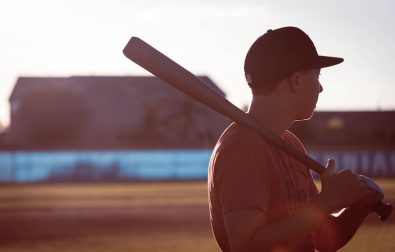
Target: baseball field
{"x": 135, "y": 216}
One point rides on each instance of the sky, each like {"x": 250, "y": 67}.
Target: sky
{"x": 208, "y": 37}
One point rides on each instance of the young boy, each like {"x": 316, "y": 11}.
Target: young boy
{"x": 260, "y": 198}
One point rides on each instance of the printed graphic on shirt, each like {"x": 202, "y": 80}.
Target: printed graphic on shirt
{"x": 297, "y": 184}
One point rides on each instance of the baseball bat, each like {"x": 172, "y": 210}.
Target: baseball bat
{"x": 175, "y": 75}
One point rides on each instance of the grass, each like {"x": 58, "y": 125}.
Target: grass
{"x": 101, "y": 195}
{"x": 373, "y": 237}
{"x": 155, "y": 241}
{"x": 154, "y": 216}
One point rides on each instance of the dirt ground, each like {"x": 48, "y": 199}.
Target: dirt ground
{"x": 105, "y": 217}
{"x": 60, "y": 224}
{"x": 127, "y": 217}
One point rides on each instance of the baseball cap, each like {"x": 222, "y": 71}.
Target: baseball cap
{"x": 279, "y": 53}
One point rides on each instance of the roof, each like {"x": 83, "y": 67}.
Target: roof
{"x": 137, "y": 111}
{"x": 147, "y": 84}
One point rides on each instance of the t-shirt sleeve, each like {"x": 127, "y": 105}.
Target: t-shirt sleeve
{"x": 242, "y": 174}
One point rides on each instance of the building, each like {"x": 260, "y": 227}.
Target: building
{"x": 103, "y": 128}
{"x": 107, "y": 112}
{"x": 363, "y": 141}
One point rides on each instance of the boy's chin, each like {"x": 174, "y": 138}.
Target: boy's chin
{"x": 305, "y": 116}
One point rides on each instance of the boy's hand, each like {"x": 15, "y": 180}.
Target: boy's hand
{"x": 342, "y": 189}
{"x": 373, "y": 194}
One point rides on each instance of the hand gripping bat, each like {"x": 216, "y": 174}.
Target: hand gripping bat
{"x": 175, "y": 75}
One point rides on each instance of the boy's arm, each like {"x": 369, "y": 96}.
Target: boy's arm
{"x": 338, "y": 231}
{"x": 247, "y": 229}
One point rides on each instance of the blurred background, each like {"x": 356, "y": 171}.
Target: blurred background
{"x": 96, "y": 154}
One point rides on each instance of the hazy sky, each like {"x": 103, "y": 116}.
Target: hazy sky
{"x": 86, "y": 37}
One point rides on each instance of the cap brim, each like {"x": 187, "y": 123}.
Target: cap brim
{"x": 326, "y": 61}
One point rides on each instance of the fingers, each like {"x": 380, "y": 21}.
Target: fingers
{"x": 346, "y": 188}
{"x": 372, "y": 194}
{"x": 351, "y": 176}
{"x": 369, "y": 202}
{"x": 372, "y": 197}
{"x": 329, "y": 171}
{"x": 368, "y": 182}
{"x": 330, "y": 168}
{"x": 377, "y": 197}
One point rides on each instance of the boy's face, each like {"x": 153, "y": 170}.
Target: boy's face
{"x": 310, "y": 88}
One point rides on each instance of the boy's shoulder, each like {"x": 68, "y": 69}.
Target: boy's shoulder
{"x": 237, "y": 135}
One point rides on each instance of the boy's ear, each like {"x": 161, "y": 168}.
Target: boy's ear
{"x": 294, "y": 81}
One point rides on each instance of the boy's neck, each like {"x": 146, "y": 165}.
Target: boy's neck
{"x": 272, "y": 113}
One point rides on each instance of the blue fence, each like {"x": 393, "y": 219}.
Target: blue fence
{"x": 374, "y": 163}
{"x": 35, "y": 166}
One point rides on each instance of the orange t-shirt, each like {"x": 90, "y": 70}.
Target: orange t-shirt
{"x": 247, "y": 171}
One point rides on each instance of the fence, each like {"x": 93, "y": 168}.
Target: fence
{"x": 36, "y": 166}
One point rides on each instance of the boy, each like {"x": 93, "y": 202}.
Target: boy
{"x": 260, "y": 198}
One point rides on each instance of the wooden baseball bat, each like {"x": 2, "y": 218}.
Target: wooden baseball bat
{"x": 175, "y": 75}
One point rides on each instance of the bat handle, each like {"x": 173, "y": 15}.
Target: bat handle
{"x": 384, "y": 210}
